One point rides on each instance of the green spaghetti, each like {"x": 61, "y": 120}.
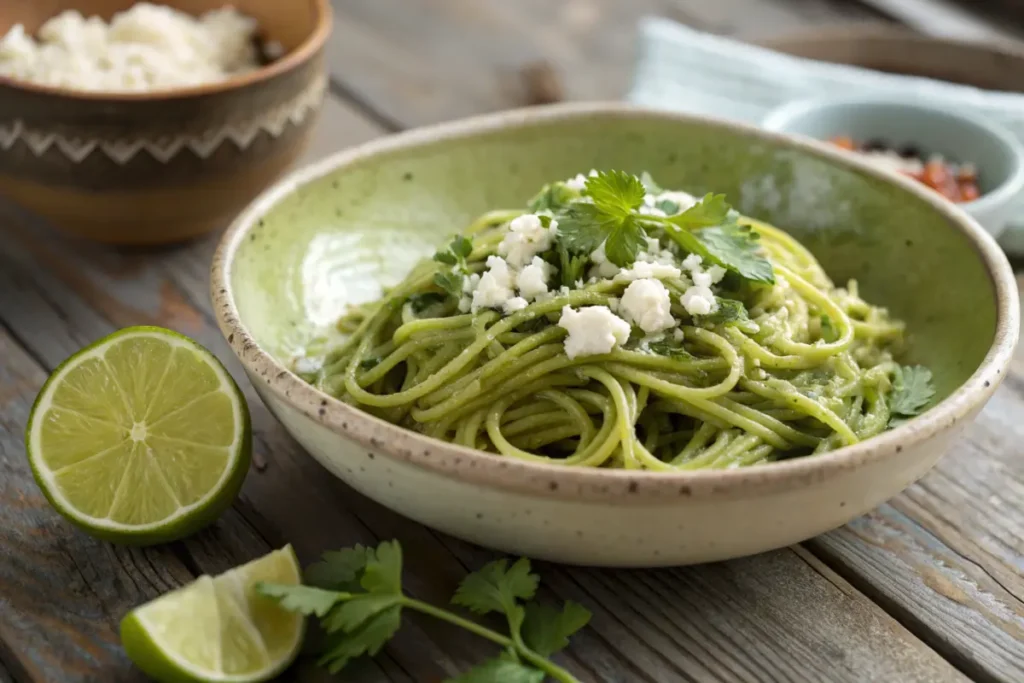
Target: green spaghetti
{"x": 616, "y": 324}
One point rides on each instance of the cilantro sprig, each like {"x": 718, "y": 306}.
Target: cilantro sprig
{"x": 455, "y": 256}
{"x": 357, "y": 596}
{"x": 709, "y": 228}
{"x": 912, "y": 391}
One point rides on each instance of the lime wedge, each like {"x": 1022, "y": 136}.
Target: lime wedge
{"x": 142, "y": 437}
{"x": 218, "y": 628}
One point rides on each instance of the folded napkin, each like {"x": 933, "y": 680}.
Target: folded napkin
{"x": 682, "y": 69}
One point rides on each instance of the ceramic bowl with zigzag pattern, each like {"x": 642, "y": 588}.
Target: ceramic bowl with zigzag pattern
{"x": 166, "y": 166}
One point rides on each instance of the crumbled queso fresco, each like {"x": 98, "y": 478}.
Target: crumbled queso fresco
{"x": 148, "y": 47}
{"x": 518, "y": 276}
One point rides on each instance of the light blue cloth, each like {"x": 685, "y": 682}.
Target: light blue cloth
{"x": 681, "y": 69}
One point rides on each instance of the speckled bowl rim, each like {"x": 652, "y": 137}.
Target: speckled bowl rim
{"x": 312, "y": 45}
{"x": 780, "y": 118}
{"x": 587, "y": 484}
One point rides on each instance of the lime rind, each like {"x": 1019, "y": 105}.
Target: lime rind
{"x": 212, "y": 613}
{"x": 186, "y": 518}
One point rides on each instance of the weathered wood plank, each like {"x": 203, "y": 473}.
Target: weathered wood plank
{"x": 985, "y": 575}
{"x": 947, "y": 556}
{"x": 99, "y": 289}
{"x": 779, "y": 616}
{"x": 417, "y": 63}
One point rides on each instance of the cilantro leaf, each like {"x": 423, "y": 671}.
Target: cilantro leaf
{"x": 425, "y": 300}
{"x": 496, "y": 587}
{"x": 503, "y": 669}
{"x": 338, "y": 570}
{"x": 624, "y": 242}
{"x": 735, "y": 247}
{"x": 649, "y": 185}
{"x": 912, "y": 391}
{"x": 450, "y": 282}
{"x": 369, "y": 638}
{"x": 709, "y": 211}
{"x": 297, "y": 598}
{"x": 446, "y": 257}
{"x": 462, "y": 247}
{"x": 709, "y": 229}
{"x": 581, "y": 228}
{"x": 369, "y": 363}
{"x": 552, "y": 197}
{"x": 616, "y": 193}
{"x": 572, "y": 266}
{"x": 730, "y": 312}
{"x": 546, "y": 630}
{"x": 383, "y": 572}
{"x": 670, "y": 349}
{"x": 352, "y": 615}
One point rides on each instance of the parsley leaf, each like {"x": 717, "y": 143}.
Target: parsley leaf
{"x": 730, "y": 312}
{"x": 446, "y": 257}
{"x": 912, "y": 391}
{"x": 552, "y": 197}
{"x": 616, "y": 193}
{"x": 302, "y": 599}
{"x": 338, "y": 569}
{"x": 503, "y": 669}
{"x": 546, "y": 630}
{"x": 648, "y": 182}
{"x": 496, "y": 587}
{"x": 450, "y": 282}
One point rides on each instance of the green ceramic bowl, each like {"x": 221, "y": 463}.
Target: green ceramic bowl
{"x": 334, "y": 233}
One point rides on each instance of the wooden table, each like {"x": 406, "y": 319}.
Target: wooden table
{"x": 929, "y": 587}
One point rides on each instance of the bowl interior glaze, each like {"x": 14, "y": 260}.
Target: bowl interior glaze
{"x": 336, "y": 239}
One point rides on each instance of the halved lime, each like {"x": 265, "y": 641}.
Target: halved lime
{"x": 218, "y": 628}
{"x": 142, "y": 437}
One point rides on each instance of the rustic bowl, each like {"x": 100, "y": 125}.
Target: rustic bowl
{"x": 165, "y": 166}
{"x": 334, "y": 233}
{"x": 958, "y": 136}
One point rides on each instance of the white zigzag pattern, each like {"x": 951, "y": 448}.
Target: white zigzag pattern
{"x": 242, "y": 134}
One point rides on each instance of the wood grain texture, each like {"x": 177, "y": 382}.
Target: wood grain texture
{"x": 59, "y": 295}
{"x": 951, "y": 566}
{"x": 423, "y": 62}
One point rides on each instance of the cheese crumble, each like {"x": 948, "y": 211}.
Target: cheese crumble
{"x": 148, "y": 47}
{"x": 592, "y": 330}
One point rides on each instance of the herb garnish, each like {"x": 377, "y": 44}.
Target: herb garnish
{"x": 455, "y": 255}
{"x": 912, "y": 391}
{"x": 729, "y": 312}
{"x": 709, "y": 228}
{"x": 360, "y": 602}
{"x": 669, "y": 349}
{"x": 552, "y": 197}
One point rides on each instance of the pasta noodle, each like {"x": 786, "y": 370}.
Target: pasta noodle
{"x": 776, "y": 370}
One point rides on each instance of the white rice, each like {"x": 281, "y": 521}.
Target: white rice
{"x": 148, "y": 47}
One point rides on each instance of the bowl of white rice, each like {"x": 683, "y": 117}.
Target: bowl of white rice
{"x": 143, "y": 123}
